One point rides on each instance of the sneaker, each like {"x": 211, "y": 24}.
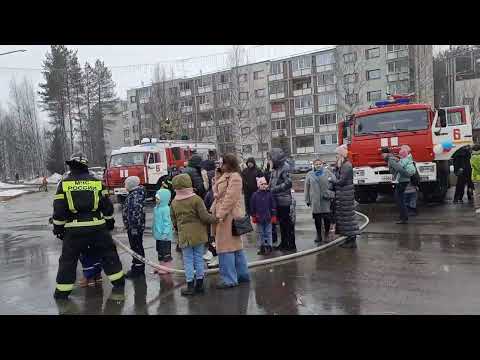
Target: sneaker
{"x": 208, "y": 256}
{"x": 223, "y": 286}
{"x": 213, "y": 263}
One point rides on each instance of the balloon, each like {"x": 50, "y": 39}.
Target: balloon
{"x": 447, "y": 145}
{"x": 438, "y": 149}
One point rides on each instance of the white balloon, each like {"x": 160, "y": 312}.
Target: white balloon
{"x": 438, "y": 149}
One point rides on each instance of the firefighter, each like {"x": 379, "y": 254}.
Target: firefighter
{"x": 82, "y": 218}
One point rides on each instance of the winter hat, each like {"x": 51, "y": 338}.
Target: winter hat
{"x": 404, "y": 151}
{"x": 342, "y": 151}
{"x": 261, "y": 180}
{"x": 132, "y": 182}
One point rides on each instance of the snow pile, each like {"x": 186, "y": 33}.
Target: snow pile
{"x": 37, "y": 181}
{"x": 10, "y": 186}
{"x": 10, "y": 193}
{"x": 54, "y": 179}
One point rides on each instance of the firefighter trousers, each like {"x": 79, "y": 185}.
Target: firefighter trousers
{"x": 98, "y": 242}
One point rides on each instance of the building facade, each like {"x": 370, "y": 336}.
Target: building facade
{"x": 294, "y": 103}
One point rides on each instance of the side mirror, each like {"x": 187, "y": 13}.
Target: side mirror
{"x": 442, "y": 114}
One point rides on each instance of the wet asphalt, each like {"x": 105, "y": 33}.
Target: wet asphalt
{"x": 430, "y": 266}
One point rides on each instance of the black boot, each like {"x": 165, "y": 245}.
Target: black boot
{"x": 268, "y": 250}
{"x": 189, "y": 290}
{"x": 199, "y": 288}
{"x": 61, "y": 295}
{"x": 261, "y": 251}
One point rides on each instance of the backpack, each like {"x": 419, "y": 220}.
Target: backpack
{"x": 415, "y": 178}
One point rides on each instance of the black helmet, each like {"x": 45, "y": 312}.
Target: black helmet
{"x": 77, "y": 158}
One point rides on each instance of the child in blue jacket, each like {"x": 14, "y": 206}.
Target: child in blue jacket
{"x": 162, "y": 228}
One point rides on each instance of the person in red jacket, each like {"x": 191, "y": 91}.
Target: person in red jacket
{"x": 264, "y": 211}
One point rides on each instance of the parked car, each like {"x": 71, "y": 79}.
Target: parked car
{"x": 302, "y": 166}
{"x": 97, "y": 171}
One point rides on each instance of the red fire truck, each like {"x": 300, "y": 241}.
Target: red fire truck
{"x": 434, "y": 135}
{"x": 151, "y": 161}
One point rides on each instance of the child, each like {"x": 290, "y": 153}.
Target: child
{"x": 162, "y": 228}
{"x": 190, "y": 217}
{"x": 263, "y": 209}
{"x": 134, "y": 221}
{"x": 92, "y": 270}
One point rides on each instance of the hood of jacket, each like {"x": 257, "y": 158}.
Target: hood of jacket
{"x": 278, "y": 157}
{"x": 182, "y": 181}
{"x": 195, "y": 161}
{"x": 251, "y": 160}
{"x": 208, "y": 165}
{"x": 164, "y": 195}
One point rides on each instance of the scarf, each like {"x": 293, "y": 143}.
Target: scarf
{"x": 319, "y": 172}
{"x": 185, "y": 193}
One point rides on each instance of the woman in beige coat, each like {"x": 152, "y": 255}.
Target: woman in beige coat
{"x": 227, "y": 206}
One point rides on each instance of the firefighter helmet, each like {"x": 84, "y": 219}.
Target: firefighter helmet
{"x": 79, "y": 158}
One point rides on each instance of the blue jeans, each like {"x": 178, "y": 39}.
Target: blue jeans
{"x": 411, "y": 200}
{"x": 193, "y": 260}
{"x": 233, "y": 267}
{"x": 264, "y": 234}
{"x": 400, "y": 198}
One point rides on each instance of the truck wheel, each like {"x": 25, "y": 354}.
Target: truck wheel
{"x": 372, "y": 196}
{"x": 364, "y": 197}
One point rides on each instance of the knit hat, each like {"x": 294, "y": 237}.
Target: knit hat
{"x": 404, "y": 151}
{"x": 342, "y": 151}
{"x": 132, "y": 182}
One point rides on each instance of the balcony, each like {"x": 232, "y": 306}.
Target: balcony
{"x": 277, "y": 133}
{"x": 397, "y": 54}
{"x": 327, "y": 108}
{"x": 304, "y": 131}
{"x": 326, "y": 88}
{"x": 302, "y": 72}
{"x": 398, "y": 76}
{"x": 301, "y": 92}
{"x": 186, "y": 109}
{"x": 207, "y": 123}
{"x": 223, "y": 86}
{"x": 223, "y": 104}
{"x": 273, "y": 77}
{"x": 205, "y": 107}
{"x": 277, "y": 96}
{"x": 305, "y": 150}
{"x": 185, "y": 92}
{"x": 303, "y": 111}
{"x": 323, "y": 68}
{"x": 277, "y": 115}
{"x": 204, "y": 89}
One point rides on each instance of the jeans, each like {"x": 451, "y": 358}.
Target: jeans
{"x": 135, "y": 238}
{"x": 287, "y": 228}
{"x": 400, "y": 198}
{"x": 264, "y": 234}
{"x": 410, "y": 200}
{"x": 91, "y": 265}
{"x": 193, "y": 261}
{"x": 318, "y": 224}
{"x": 164, "y": 250}
{"x": 233, "y": 267}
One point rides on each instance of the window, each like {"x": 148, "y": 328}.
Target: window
{"x": 260, "y": 93}
{"x": 325, "y": 59}
{"x": 302, "y": 85}
{"x": 326, "y": 119}
{"x": 184, "y": 85}
{"x": 259, "y": 111}
{"x": 185, "y": 103}
{"x": 245, "y": 130}
{"x": 278, "y": 107}
{"x": 277, "y": 87}
{"x": 350, "y": 78}
{"x": 276, "y": 68}
{"x": 392, "y": 48}
{"x": 263, "y": 147}
{"x": 302, "y": 122}
{"x": 304, "y": 141}
{"x": 223, "y": 96}
{"x": 126, "y": 133}
{"x": 134, "y": 113}
{"x": 327, "y": 78}
{"x": 279, "y": 124}
{"x": 173, "y": 91}
{"x": 372, "y": 53}
{"x": 135, "y": 128}
{"x": 351, "y": 99}
{"x": 391, "y": 121}
{"x": 300, "y": 63}
{"x": 133, "y": 99}
{"x": 247, "y": 149}
{"x": 327, "y": 99}
{"x": 243, "y": 95}
{"x": 203, "y": 99}
{"x": 454, "y": 118}
{"x": 224, "y": 78}
{"x": 225, "y": 114}
{"x": 203, "y": 81}
{"x": 397, "y": 66}
{"x": 328, "y": 139}
{"x": 257, "y": 75}
{"x": 243, "y": 114}
{"x": 243, "y": 77}
{"x": 350, "y": 57}
{"x": 302, "y": 102}
{"x": 126, "y": 159}
{"x": 374, "y": 95}
{"x": 373, "y": 74}
{"x": 398, "y": 87}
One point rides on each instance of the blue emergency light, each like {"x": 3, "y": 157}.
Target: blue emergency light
{"x": 383, "y": 103}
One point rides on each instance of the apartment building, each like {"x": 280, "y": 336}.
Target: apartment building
{"x": 293, "y": 103}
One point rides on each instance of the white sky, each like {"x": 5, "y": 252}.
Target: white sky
{"x": 132, "y": 64}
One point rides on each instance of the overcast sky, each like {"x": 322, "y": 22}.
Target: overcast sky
{"x": 133, "y": 64}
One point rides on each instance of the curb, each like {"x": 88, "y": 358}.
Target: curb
{"x": 340, "y": 240}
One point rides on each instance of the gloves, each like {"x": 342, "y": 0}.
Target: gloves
{"x": 110, "y": 224}
{"x": 274, "y": 219}
{"x": 254, "y": 219}
{"x": 59, "y": 231}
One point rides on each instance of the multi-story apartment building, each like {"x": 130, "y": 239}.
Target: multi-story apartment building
{"x": 293, "y": 103}
{"x": 115, "y": 133}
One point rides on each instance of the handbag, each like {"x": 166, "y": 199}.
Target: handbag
{"x": 241, "y": 226}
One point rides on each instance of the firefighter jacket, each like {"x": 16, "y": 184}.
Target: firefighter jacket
{"x": 81, "y": 201}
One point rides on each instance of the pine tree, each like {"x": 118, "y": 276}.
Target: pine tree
{"x": 54, "y": 164}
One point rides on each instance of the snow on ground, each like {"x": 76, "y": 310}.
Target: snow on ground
{"x": 10, "y": 186}
{"x": 54, "y": 179}
{"x": 36, "y": 181}
{"x": 9, "y": 193}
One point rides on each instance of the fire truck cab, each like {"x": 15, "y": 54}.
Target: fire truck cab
{"x": 434, "y": 135}
{"x": 151, "y": 161}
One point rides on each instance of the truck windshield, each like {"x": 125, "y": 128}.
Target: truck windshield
{"x": 127, "y": 159}
{"x": 406, "y": 120}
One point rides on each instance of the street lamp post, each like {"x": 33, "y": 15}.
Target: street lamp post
{"x": 14, "y": 51}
